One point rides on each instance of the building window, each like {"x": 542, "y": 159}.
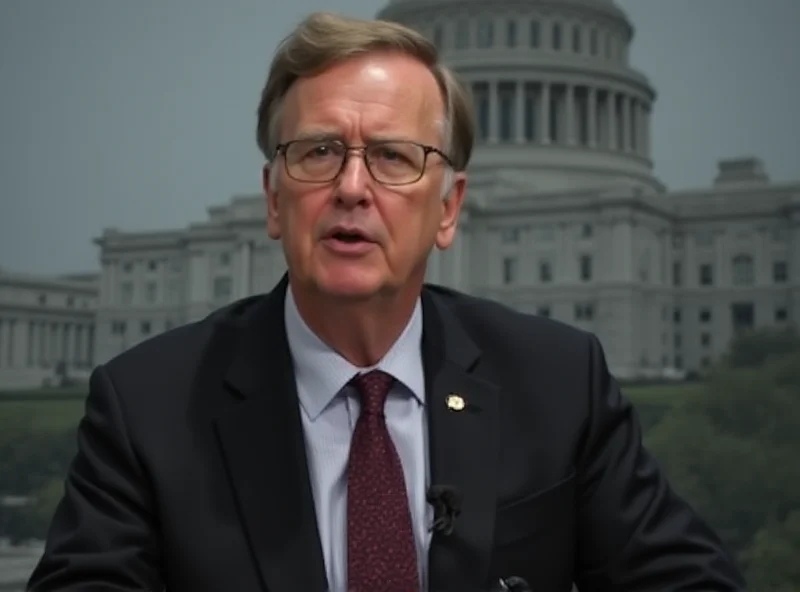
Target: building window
{"x": 506, "y": 92}
{"x": 705, "y": 339}
{"x": 127, "y": 267}
{"x": 780, "y": 272}
{"x": 593, "y": 42}
{"x": 705, "y": 315}
{"x": 586, "y": 267}
{"x": 780, "y": 314}
{"x": 780, "y": 234}
{"x": 742, "y": 270}
{"x": 543, "y": 311}
{"x": 587, "y": 231}
{"x": 222, "y": 288}
{"x": 480, "y": 94}
{"x": 706, "y": 274}
{"x": 677, "y": 273}
{"x": 511, "y": 33}
{"x": 462, "y": 34}
{"x": 126, "y": 293}
{"x": 704, "y": 238}
{"x": 584, "y": 311}
{"x": 608, "y": 46}
{"x": 556, "y": 36}
{"x": 677, "y": 316}
{"x": 678, "y": 340}
{"x": 545, "y": 272}
{"x": 145, "y": 328}
{"x": 151, "y": 292}
{"x": 152, "y": 265}
{"x": 535, "y": 38}
{"x": 510, "y": 235}
{"x": 485, "y": 34}
{"x": 224, "y": 259}
{"x": 42, "y": 299}
{"x": 118, "y": 327}
{"x": 509, "y": 270}
{"x": 576, "y": 39}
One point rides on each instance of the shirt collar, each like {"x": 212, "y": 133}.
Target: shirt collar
{"x": 321, "y": 373}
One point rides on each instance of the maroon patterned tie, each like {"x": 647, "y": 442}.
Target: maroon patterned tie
{"x": 381, "y": 553}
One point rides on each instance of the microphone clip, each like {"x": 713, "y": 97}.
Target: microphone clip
{"x": 446, "y": 502}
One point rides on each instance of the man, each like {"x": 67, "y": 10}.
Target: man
{"x": 310, "y": 438}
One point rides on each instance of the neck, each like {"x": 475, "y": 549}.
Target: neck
{"x": 360, "y": 331}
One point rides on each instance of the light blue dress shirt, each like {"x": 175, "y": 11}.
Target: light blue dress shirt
{"x": 329, "y": 410}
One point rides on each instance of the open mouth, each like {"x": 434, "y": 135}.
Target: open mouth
{"x": 349, "y": 237}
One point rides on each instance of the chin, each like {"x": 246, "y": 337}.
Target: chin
{"x": 350, "y": 283}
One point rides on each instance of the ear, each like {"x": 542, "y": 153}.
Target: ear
{"x": 451, "y": 209}
{"x": 270, "y": 185}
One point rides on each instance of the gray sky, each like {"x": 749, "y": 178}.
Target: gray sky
{"x": 140, "y": 114}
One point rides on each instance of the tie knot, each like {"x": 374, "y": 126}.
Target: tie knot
{"x": 374, "y": 387}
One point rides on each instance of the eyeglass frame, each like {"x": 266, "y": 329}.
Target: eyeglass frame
{"x": 427, "y": 150}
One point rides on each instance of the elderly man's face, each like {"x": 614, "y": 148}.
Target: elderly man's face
{"x": 355, "y": 237}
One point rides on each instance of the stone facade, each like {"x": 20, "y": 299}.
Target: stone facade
{"x": 46, "y": 329}
{"x": 564, "y": 215}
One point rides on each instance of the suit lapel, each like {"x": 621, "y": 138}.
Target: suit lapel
{"x": 261, "y": 438}
{"x": 463, "y": 448}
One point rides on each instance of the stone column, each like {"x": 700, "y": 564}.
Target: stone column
{"x": 544, "y": 114}
{"x": 611, "y": 113}
{"x": 77, "y": 338}
{"x": 591, "y": 115}
{"x": 89, "y": 345}
{"x": 626, "y": 124}
{"x": 66, "y": 350}
{"x": 33, "y": 343}
{"x": 519, "y": 118}
{"x": 569, "y": 117}
{"x": 11, "y": 358}
{"x": 494, "y": 112}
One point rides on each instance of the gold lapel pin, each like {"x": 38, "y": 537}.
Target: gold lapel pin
{"x": 455, "y": 402}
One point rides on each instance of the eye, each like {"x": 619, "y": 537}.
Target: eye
{"x": 389, "y": 154}
{"x": 319, "y": 151}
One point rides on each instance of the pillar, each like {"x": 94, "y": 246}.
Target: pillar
{"x": 494, "y": 112}
{"x": 519, "y": 118}
{"x": 611, "y": 113}
{"x": 591, "y": 115}
{"x": 544, "y": 114}
{"x": 569, "y": 116}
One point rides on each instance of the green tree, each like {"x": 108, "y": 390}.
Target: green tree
{"x": 732, "y": 452}
{"x": 773, "y": 561}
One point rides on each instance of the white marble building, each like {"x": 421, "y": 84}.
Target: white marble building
{"x": 46, "y": 328}
{"x": 564, "y": 217}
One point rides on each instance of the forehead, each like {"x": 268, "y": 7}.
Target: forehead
{"x": 372, "y": 96}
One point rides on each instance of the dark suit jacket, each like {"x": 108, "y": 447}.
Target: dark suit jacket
{"x": 191, "y": 471}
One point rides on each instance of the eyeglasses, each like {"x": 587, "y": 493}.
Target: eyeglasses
{"x": 389, "y": 163}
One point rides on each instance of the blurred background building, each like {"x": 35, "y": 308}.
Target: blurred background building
{"x": 564, "y": 217}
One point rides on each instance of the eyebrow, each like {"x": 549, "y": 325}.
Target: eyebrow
{"x": 319, "y": 135}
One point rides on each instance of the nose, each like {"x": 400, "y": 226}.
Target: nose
{"x": 353, "y": 183}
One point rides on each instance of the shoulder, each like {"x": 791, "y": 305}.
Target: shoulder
{"x": 173, "y": 361}
{"x": 491, "y": 323}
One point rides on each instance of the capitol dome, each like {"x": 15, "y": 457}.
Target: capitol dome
{"x": 558, "y": 106}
